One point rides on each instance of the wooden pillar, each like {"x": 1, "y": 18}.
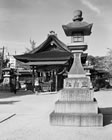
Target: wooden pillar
{"x": 56, "y": 81}
{"x": 33, "y": 78}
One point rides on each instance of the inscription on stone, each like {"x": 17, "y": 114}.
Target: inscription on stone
{"x": 77, "y": 82}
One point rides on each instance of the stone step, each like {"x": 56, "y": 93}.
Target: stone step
{"x": 76, "y": 94}
{"x": 71, "y": 119}
{"x": 76, "y": 107}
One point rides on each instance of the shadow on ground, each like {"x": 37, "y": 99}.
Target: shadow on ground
{"x": 7, "y": 102}
{"x": 107, "y": 115}
{"x": 6, "y": 94}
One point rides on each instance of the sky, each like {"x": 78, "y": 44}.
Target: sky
{"x": 22, "y": 20}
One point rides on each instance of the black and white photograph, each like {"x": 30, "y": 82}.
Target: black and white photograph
{"x": 55, "y": 70}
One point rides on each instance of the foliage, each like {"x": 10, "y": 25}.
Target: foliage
{"x": 96, "y": 61}
{"x": 108, "y": 61}
{"x": 33, "y": 46}
{"x": 102, "y": 62}
{"x": 91, "y": 59}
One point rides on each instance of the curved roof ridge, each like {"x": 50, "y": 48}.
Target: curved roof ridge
{"x": 55, "y": 38}
{"x": 63, "y": 45}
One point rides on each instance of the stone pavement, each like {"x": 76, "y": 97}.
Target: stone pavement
{"x": 30, "y": 120}
{"x": 6, "y": 103}
{"x": 6, "y": 116}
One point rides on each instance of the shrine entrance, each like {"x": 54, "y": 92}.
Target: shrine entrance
{"x": 50, "y": 77}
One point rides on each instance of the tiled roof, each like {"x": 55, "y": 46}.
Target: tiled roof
{"x": 50, "y": 38}
{"x": 45, "y": 56}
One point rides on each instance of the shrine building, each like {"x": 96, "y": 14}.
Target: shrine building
{"x": 50, "y": 62}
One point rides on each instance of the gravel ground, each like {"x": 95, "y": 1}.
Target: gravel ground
{"x": 30, "y": 120}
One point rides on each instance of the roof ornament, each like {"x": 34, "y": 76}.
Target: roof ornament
{"x": 77, "y": 15}
{"x": 52, "y": 33}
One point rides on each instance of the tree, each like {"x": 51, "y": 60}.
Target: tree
{"x": 108, "y": 61}
{"x": 96, "y": 61}
{"x": 91, "y": 60}
{"x": 33, "y": 46}
{"x": 102, "y": 62}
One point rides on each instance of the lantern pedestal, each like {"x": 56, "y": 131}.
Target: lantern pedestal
{"x": 76, "y": 105}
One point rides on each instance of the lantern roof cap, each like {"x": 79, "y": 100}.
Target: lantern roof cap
{"x": 77, "y": 26}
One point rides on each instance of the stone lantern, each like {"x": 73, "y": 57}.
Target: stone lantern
{"x": 76, "y": 105}
{"x": 77, "y": 30}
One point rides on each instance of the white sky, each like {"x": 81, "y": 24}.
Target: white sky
{"x": 21, "y": 20}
